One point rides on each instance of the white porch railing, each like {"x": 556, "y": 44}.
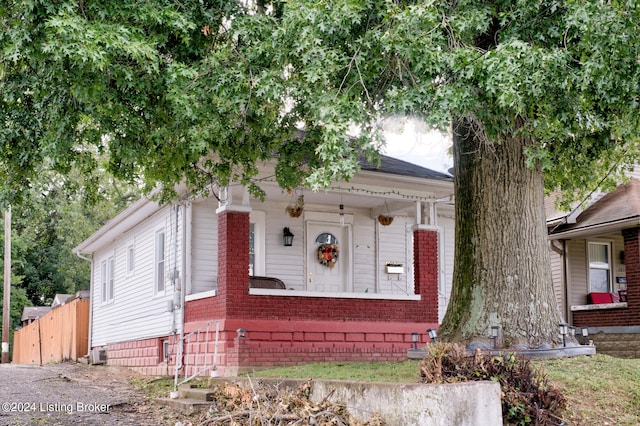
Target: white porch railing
{"x": 185, "y": 353}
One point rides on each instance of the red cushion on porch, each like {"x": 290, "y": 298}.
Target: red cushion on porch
{"x": 598, "y": 298}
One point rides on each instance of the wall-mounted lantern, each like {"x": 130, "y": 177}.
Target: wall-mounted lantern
{"x": 287, "y": 237}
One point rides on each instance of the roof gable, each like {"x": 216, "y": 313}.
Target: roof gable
{"x": 619, "y": 205}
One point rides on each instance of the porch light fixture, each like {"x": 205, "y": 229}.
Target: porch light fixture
{"x": 563, "y": 328}
{"x": 242, "y": 333}
{"x": 287, "y": 237}
{"x": 585, "y": 335}
{"x": 341, "y": 214}
{"x": 414, "y": 339}
{"x": 495, "y": 331}
{"x": 432, "y": 334}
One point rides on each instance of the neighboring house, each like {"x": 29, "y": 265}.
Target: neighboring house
{"x": 595, "y": 253}
{"x": 60, "y": 299}
{"x": 349, "y": 286}
{"x": 32, "y": 313}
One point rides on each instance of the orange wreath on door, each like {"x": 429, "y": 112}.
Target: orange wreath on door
{"x": 328, "y": 254}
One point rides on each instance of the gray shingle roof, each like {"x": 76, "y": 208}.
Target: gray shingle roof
{"x": 403, "y": 168}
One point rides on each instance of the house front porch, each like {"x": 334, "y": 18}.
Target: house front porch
{"x": 286, "y": 327}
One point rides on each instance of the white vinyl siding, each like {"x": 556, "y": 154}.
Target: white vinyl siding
{"x": 137, "y": 312}
{"x": 286, "y": 263}
{"x": 557, "y": 276}
{"x": 446, "y": 247}
{"x": 364, "y": 253}
{"x": 204, "y": 246}
{"x": 396, "y": 246}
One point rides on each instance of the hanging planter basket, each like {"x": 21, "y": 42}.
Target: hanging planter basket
{"x": 295, "y": 208}
{"x": 385, "y": 220}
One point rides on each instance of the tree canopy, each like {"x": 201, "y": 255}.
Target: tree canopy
{"x": 201, "y": 91}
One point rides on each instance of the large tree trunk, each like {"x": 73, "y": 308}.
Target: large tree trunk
{"x": 502, "y": 273}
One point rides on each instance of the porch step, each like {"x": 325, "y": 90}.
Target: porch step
{"x": 188, "y": 391}
{"x": 184, "y": 405}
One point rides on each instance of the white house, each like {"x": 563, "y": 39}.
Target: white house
{"x": 350, "y": 285}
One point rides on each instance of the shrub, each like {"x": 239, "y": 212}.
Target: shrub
{"x": 526, "y": 395}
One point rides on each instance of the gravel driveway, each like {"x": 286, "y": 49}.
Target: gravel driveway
{"x": 74, "y": 394}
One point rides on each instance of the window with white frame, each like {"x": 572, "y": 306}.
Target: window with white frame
{"x": 107, "y": 272}
{"x": 599, "y": 267}
{"x": 159, "y": 263}
{"x": 131, "y": 258}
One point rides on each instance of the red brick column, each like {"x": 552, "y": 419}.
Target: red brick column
{"x": 632, "y": 267}
{"x": 425, "y": 264}
{"x": 233, "y": 258}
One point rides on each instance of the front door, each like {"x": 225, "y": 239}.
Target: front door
{"x": 328, "y": 256}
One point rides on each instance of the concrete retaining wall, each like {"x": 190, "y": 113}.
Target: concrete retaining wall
{"x": 622, "y": 342}
{"x": 461, "y": 404}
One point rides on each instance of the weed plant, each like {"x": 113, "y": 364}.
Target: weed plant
{"x": 526, "y": 394}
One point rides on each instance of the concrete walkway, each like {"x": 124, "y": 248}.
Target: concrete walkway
{"x": 71, "y": 394}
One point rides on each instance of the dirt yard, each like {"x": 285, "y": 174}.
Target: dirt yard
{"x": 75, "y": 394}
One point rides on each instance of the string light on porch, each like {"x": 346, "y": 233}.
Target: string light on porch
{"x": 399, "y": 194}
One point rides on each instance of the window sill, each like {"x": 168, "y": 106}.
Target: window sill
{"x": 599, "y": 306}
{"x": 299, "y": 293}
{"x": 201, "y": 295}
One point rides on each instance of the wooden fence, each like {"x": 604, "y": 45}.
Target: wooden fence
{"x": 61, "y": 334}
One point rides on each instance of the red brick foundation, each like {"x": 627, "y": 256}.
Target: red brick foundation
{"x": 143, "y": 356}
{"x": 289, "y": 330}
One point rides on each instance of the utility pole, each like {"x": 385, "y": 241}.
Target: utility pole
{"x": 6, "y": 306}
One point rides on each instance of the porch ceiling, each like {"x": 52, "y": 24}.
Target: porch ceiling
{"x": 393, "y": 196}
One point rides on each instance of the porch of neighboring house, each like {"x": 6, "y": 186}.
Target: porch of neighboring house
{"x": 237, "y": 328}
{"x": 614, "y": 326}
{"x": 596, "y": 267}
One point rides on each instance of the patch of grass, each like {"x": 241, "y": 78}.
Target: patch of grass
{"x": 153, "y": 388}
{"x": 600, "y": 390}
{"x": 400, "y": 372}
